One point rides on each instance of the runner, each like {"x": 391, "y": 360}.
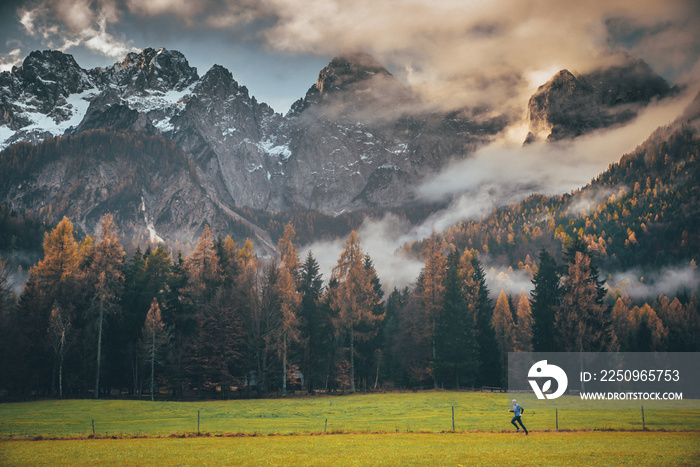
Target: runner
{"x": 517, "y": 412}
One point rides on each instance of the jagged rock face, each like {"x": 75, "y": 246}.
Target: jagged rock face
{"x": 42, "y": 98}
{"x": 359, "y": 139}
{"x": 151, "y": 70}
{"x": 568, "y": 106}
{"x": 225, "y": 131}
{"x": 354, "y": 141}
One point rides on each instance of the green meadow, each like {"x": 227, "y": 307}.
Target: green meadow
{"x": 429, "y": 411}
{"x": 391, "y": 449}
{"x": 377, "y": 429}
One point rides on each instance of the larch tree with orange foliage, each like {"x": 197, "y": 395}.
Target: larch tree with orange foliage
{"x": 290, "y": 298}
{"x": 153, "y": 339}
{"x": 105, "y": 273}
{"x": 431, "y": 290}
{"x": 504, "y": 328}
{"x": 354, "y": 297}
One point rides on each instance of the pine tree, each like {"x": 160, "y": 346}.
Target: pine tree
{"x": 179, "y": 319}
{"x": 481, "y": 309}
{"x": 369, "y": 348}
{"x": 215, "y": 314}
{"x": 217, "y": 352}
{"x": 546, "y": 297}
{"x": 312, "y": 321}
{"x": 679, "y": 323}
{"x": 456, "y": 346}
{"x": 204, "y": 274}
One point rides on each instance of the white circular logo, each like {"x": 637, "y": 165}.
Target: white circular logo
{"x": 542, "y": 369}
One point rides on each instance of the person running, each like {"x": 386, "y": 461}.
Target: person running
{"x": 517, "y": 412}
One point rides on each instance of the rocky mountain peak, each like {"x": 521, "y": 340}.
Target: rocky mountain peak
{"x": 564, "y": 79}
{"x": 347, "y": 70}
{"x": 353, "y": 82}
{"x": 50, "y": 73}
{"x": 219, "y": 82}
{"x": 160, "y": 70}
{"x": 568, "y": 106}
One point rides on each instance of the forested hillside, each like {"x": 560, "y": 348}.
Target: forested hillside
{"x": 221, "y": 322}
{"x": 642, "y": 212}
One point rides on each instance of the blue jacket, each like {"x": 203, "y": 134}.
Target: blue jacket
{"x": 517, "y": 410}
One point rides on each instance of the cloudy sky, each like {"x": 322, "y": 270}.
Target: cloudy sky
{"x": 493, "y": 52}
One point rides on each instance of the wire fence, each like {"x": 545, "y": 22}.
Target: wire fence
{"x": 208, "y": 420}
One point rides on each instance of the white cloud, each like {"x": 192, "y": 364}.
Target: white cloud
{"x": 381, "y": 239}
{"x": 65, "y": 24}
{"x": 10, "y": 59}
{"x": 668, "y": 281}
{"x": 494, "y": 52}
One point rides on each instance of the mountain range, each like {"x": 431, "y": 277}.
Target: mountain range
{"x": 169, "y": 151}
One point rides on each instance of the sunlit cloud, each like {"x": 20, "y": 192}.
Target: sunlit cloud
{"x": 65, "y": 24}
{"x": 10, "y": 59}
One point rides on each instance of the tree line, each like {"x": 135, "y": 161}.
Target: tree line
{"x": 222, "y": 322}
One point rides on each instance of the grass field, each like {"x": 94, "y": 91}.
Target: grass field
{"x": 571, "y": 448}
{"x": 388, "y": 429}
{"x": 392, "y": 412}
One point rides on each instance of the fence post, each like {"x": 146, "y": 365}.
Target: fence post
{"x": 93, "y": 428}
{"x": 643, "y": 425}
{"x": 557, "y": 415}
{"x": 453, "y": 418}
{"x": 325, "y": 426}
{"x": 197, "y": 421}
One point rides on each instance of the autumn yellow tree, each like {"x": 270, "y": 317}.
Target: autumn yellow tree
{"x": 581, "y": 319}
{"x": 204, "y": 274}
{"x": 153, "y": 339}
{"x": 504, "y": 328}
{"x": 622, "y": 321}
{"x": 523, "y": 330}
{"x": 354, "y": 297}
{"x": 648, "y": 332}
{"x": 290, "y": 298}
{"x": 105, "y": 273}
{"x": 55, "y": 276}
{"x": 431, "y": 292}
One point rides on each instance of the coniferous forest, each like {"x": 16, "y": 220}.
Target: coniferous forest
{"x": 92, "y": 321}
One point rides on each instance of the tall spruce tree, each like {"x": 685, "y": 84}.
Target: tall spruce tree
{"x": 546, "y": 297}
{"x": 456, "y": 360}
{"x": 315, "y": 348}
{"x": 481, "y": 308}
